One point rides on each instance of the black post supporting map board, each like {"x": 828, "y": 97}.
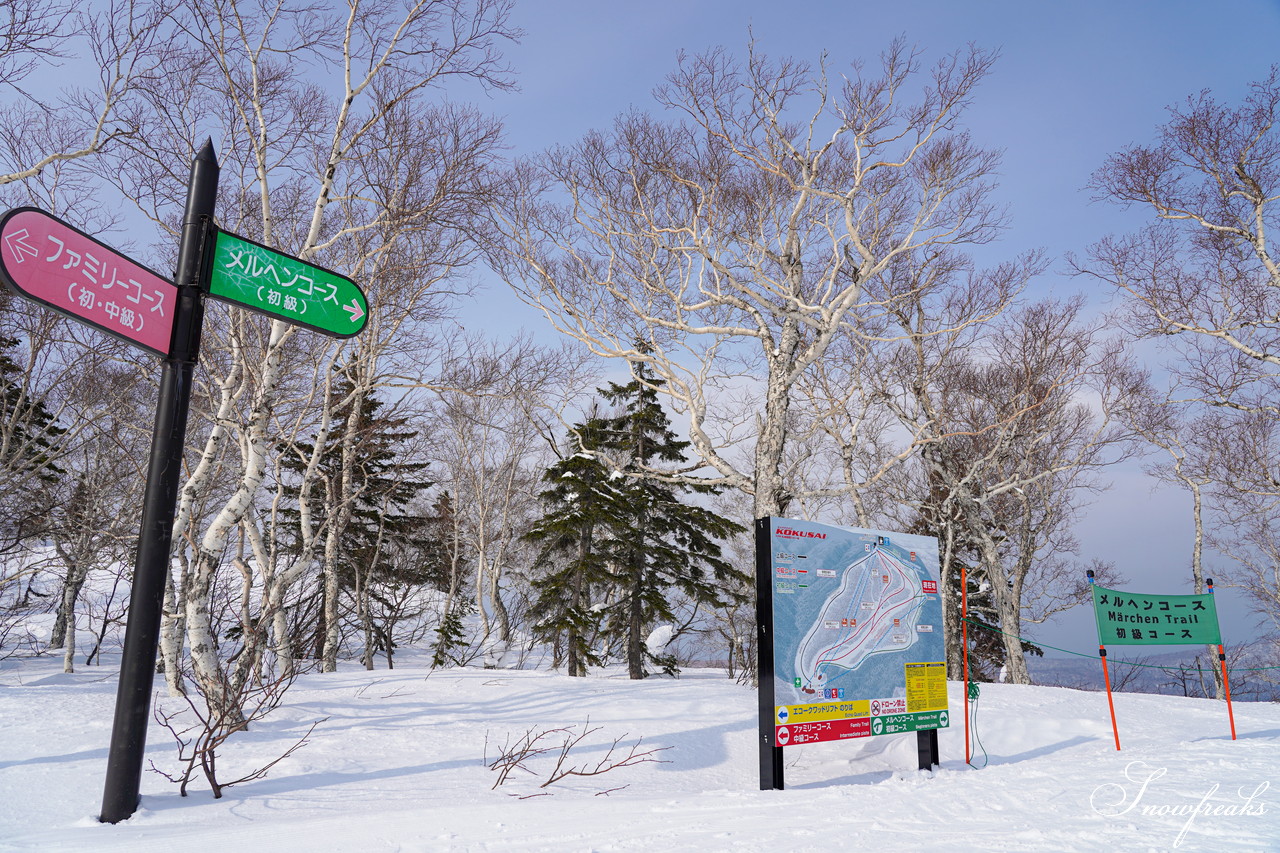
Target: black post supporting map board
{"x": 771, "y": 773}
{"x": 927, "y": 748}
{"x": 850, "y": 638}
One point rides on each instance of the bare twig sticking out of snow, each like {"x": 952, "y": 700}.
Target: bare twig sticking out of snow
{"x": 535, "y": 743}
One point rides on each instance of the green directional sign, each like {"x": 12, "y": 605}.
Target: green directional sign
{"x": 897, "y": 723}
{"x": 286, "y": 288}
{"x": 1133, "y": 619}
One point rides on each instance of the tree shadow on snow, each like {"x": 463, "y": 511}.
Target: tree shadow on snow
{"x": 697, "y": 749}
{"x": 263, "y": 789}
{"x": 82, "y": 755}
{"x": 902, "y": 759}
{"x": 1042, "y": 751}
{"x": 1269, "y": 733}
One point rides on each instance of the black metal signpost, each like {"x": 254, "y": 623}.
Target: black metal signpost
{"x": 97, "y": 286}
{"x": 164, "y": 476}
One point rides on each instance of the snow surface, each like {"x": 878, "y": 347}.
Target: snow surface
{"x": 400, "y": 765}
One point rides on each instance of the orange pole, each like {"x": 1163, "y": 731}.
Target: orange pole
{"x": 1102, "y": 653}
{"x": 1222, "y": 659}
{"x": 1231, "y": 715}
{"x": 964, "y": 646}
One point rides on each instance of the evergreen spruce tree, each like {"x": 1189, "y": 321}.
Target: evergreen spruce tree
{"x": 662, "y": 544}
{"x": 29, "y": 435}
{"x": 620, "y": 541}
{"x": 450, "y": 636}
{"x": 581, "y": 505}
{"x": 446, "y": 570}
{"x": 384, "y": 485}
{"x": 433, "y": 549}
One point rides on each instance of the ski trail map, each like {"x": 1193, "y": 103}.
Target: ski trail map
{"x": 858, "y": 648}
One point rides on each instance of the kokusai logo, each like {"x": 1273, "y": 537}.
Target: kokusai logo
{"x": 788, "y": 533}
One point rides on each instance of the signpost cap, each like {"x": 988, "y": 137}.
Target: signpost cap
{"x": 206, "y": 151}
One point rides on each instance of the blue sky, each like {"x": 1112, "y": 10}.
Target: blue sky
{"x": 1075, "y": 82}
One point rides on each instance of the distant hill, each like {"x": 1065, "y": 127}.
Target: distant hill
{"x": 1181, "y": 672}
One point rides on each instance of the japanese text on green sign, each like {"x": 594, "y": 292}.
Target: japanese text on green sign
{"x": 1132, "y": 619}
{"x": 278, "y": 285}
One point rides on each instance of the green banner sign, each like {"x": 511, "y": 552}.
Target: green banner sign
{"x": 897, "y": 723}
{"x": 252, "y": 276}
{"x": 1131, "y": 619}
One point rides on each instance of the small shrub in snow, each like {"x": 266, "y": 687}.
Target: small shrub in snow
{"x": 557, "y": 746}
{"x": 202, "y": 728}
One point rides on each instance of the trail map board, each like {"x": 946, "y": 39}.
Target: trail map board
{"x": 855, "y": 620}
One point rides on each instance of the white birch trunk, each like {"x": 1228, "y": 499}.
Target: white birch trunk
{"x": 201, "y": 639}
{"x": 172, "y": 631}
{"x": 69, "y": 638}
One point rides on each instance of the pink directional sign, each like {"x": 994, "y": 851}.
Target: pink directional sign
{"x": 48, "y": 261}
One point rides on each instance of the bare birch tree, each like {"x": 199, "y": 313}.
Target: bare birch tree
{"x": 306, "y": 98}
{"x": 1245, "y": 498}
{"x": 31, "y": 32}
{"x": 1011, "y": 432}
{"x": 493, "y": 433}
{"x": 1192, "y": 459}
{"x": 1204, "y": 275}
{"x": 123, "y": 42}
{"x": 734, "y": 237}
{"x": 92, "y": 526}
{"x": 1203, "y": 278}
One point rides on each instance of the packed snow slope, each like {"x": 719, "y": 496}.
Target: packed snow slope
{"x": 399, "y": 763}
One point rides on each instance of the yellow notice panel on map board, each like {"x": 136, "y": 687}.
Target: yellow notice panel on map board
{"x": 926, "y": 686}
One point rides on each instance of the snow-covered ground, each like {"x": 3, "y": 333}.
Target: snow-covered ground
{"x": 399, "y": 764}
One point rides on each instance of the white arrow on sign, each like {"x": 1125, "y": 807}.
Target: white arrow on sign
{"x": 354, "y": 310}
{"x": 17, "y": 243}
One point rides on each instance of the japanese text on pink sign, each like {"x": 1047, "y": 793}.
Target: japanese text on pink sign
{"x": 53, "y": 263}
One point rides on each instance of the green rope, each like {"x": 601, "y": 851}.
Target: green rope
{"x": 974, "y": 692}
{"x": 996, "y": 630}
